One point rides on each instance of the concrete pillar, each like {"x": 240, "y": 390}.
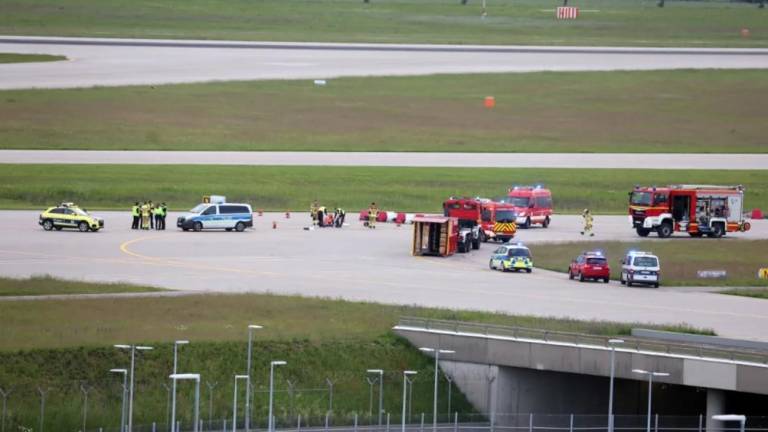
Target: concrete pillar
{"x": 715, "y": 405}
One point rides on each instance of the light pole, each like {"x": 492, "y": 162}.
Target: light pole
{"x": 4, "y": 394}
{"x": 612, "y": 343}
{"x": 650, "y": 389}
{"x": 85, "y": 389}
{"x": 133, "y": 349}
{"x": 405, "y": 387}
{"x": 732, "y": 417}
{"x": 196, "y": 378}
{"x": 234, "y": 402}
{"x": 272, "y": 365}
{"x": 43, "y": 392}
{"x": 210, "y": 386}
{"x": 173, "y": 390}
{"x": 381, "y": 391}
{"x": 251, "y": 328}
{"x": 437, "y": 352}
{"x": 125, "y": 390}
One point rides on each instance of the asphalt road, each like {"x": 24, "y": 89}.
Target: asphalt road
{"x": 394, "y": 159}
{"x": 356, "y": 263}
{"x": 117, "y": 62}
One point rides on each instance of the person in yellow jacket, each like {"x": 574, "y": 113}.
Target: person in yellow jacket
{"x": 145, "y": 216}
{"x": 373, "y": 213}
{"x": 136, "y": 214}
{"x": 588, "y": 221}
{"x": 313, "y": 209}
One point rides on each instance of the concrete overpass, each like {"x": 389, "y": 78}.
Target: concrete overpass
{"x": 518, "y": 371}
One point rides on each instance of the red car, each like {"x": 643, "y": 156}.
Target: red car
{"x": 590, "y": 265}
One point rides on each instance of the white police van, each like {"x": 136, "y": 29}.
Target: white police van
{"x": 640, "y": 268}
{"x": 217, "y": 214}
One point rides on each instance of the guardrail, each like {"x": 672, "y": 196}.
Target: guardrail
{"x": 631, "y": 343}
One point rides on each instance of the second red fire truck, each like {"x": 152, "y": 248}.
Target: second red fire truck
{"x": 696, "y": 209}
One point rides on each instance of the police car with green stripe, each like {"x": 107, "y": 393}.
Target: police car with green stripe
{"x": 511, "y": 257}
{"x": 217, "y": 215}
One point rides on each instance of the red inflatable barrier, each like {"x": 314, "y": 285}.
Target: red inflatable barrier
{"x": 363, "y": 215}
{"x": 757, "y": 214}
{"x": 400, "y": 218}
{"x": 381, "y": 217}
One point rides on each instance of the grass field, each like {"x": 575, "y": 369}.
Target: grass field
{"x": 659, "y": 111}
{"x": 28, "y": 58}
{"x": 293, "y": 188}
{"x": 46, "y": 285}
{"x": 604, "y": 22}
{"x": 318, "y": 338}
{"x": 679, "y": 261}
{"x": 754, "y": 293}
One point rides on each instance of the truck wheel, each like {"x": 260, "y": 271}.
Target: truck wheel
{"x": 656, "y": 285}
{"x": 490, "y": 264}
{"x": 664, "y": 230}
{"x": 528, "y": 270}
{"x": 643, "y": 232}
{"x": 717, "y": 230}
{"x": 197, "y": 227}
{"x": 483, "y": 237}
{"x": 475, "y": 243}
{"x": 47, "y": 224}
{"x": 83, "y": 226}
{"x": 545, "y": 224}
{"x": 606, "y": 280}
{"x": 240, "y": 227}
{"x": 527, "y": 224}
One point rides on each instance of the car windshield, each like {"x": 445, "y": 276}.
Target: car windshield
{"x": 596, "y": 261}
{"x": 519, "y": 252}
{"x": 505, "y": 216}
{"x": 641, "y": 198}
{"x": 198, "y": 208}
{"x": 78, "y": 211}
{"x": 646, "y": 261}
{"x": 518, "y": 201}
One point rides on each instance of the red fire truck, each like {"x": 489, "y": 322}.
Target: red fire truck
{"x": 532, "y": 204}
{"x": 497, "y": 221}
{"x": 467, "y": 211}
{"x": 695, "y": 209}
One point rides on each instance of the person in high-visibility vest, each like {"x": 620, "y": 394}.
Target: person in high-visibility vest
{"x": 340, "y": 215}
{"x": 313, "y": 212}
{"x": 373, "y": 213}
{"x": 136, "y": 215}
{"x": 588, "y": 221}
{"x": 163, "y": 214}
{"x": 151, "y": 215}
{"x": 145, "y": 216}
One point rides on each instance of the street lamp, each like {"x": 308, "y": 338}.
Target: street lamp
{"x": 406, "y": 373}
{"x": 437, "y": 352}
{"x": 234, "y": 402}
{"x": 612, "y": 343}
{"x": 251, "y": 328}
{"x": 173, "y": 398}
{"x": 133, "y": 349}
{"x": 381, "y": 390}
{"x": 189, "y": 376}
{"x": 125, "y": 390}
{"x": 732, "y": 417}
{"x": 271, "y": 389}
{"x": 650, "y": 389}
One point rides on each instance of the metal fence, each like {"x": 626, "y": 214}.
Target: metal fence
{"x": 458, "y": 422}
{"x": 631, "y": 343}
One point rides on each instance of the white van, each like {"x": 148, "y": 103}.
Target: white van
{"x": 227, "y": 216}
{"x": 640, "y": 268}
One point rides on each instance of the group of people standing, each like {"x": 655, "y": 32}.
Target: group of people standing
{"x": 322, "y": 218}
{"x": 148, "y": 216}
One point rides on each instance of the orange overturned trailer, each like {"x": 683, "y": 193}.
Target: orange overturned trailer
{"x": 435, "y": 235}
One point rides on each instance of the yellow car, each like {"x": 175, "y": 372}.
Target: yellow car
{"x": 68, "y": 215}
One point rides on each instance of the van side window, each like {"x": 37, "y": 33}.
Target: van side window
{"x": 544, "y": 202}
{"x": 659, "y": 198}
{"x": 210, "y": 211}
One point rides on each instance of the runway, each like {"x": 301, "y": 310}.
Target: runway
{"x": 119, "y": 62}
{"x": 395, "y": 159}
{"x": 356, "y": 263}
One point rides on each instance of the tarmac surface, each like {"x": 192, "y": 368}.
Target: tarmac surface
{"x": 394, "y": 159}
{"x": 356, "y": 263}
{"x": 119, "y": 62}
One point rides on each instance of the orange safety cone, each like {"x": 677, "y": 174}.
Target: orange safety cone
{"x": 490, "y": 101}
{"x": 287, "y": 215}
{"x": 274, "y": 225}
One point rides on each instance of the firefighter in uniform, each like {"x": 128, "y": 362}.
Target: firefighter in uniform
{"x": 313, "y": 212}
{"x": 163, "y": 214}
{"x": 373, "y": 213}
{"x": 338, "y": 220}
{"x": 136, "y": 215}
{"x": 145, "y": 216}
{"x": 588, "y": 221}
{"x": 151, "y": 215}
